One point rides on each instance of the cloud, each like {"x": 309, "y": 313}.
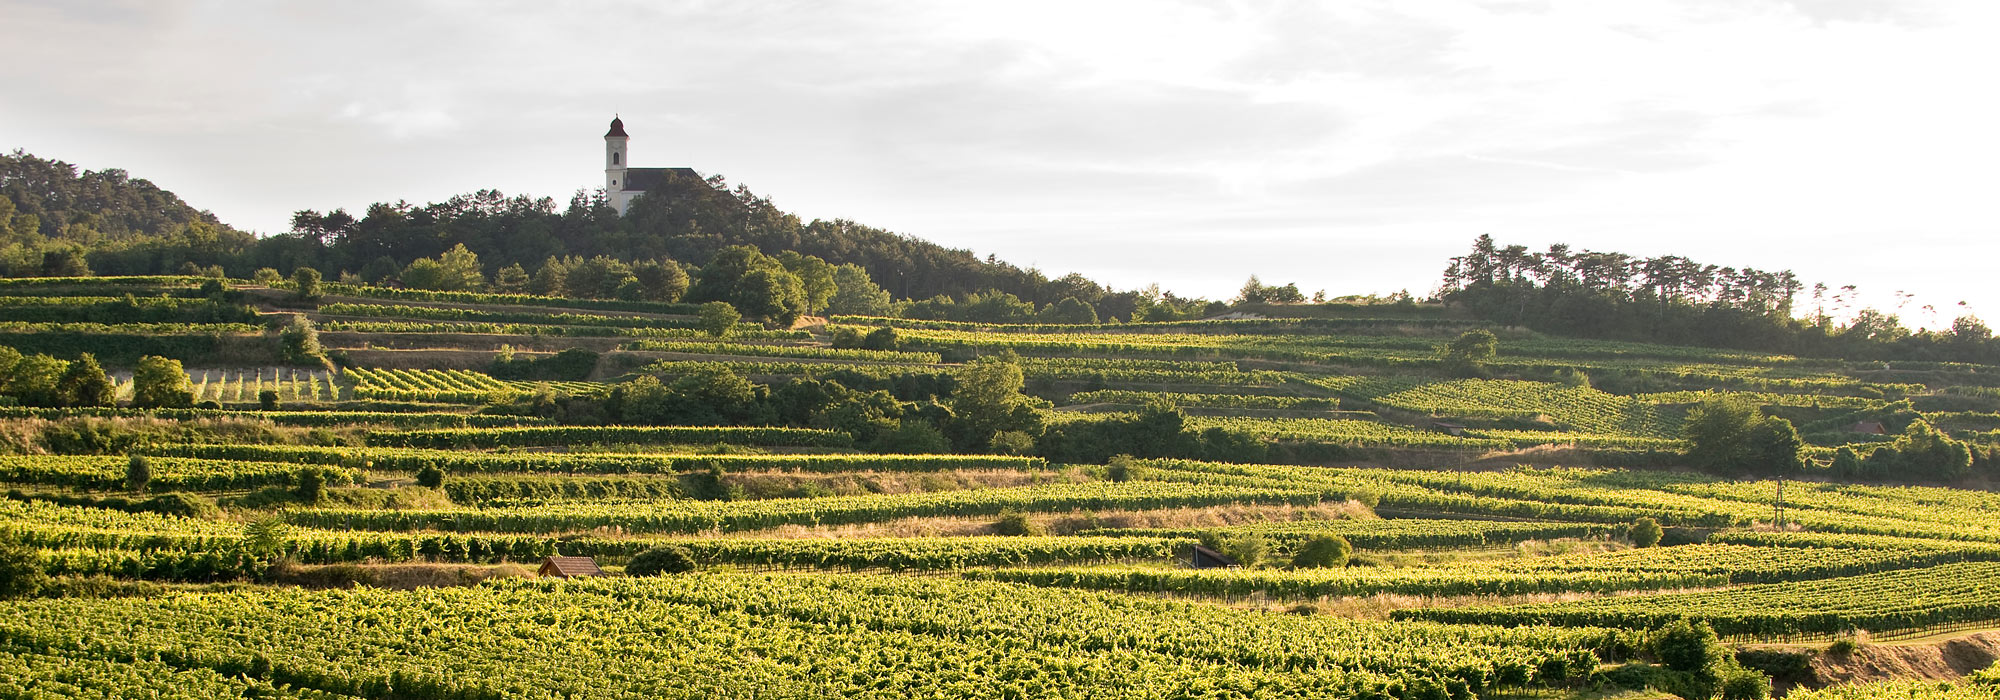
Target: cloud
{"x": 400, "y": 122}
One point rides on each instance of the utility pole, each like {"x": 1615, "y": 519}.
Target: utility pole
{"x": 1778, "y": 505}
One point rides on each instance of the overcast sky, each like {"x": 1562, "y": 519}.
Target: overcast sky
{"x": 1350, "y": 146}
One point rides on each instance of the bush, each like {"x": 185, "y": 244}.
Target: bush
{"x": 299, "y": 342}
{"x": 883, "y": 338}
{"x": 1468, "y": 355}
{"x": 1119, "y": 468}
{"x": 21, "y": 572}
{"x": 1686, "y": 646}
{"x": 718, "y": 317}
{"x": 1323, "y": 552}
{"x": 266, "y": 537}
{"x": 430, "y": 477}
{"x": 1745, "y": 684}
{"x": 181, "y": 504}
{"x": 267, "y": 400}
{"x": 138, "y": 473}
{"x": 1645, "y": 532}
{"x": 84, "y": 384}
{"x": 1789, "y": 665}
{"x": 312, "y": 485}
{"x": 1249, "y": 549}
{"x": 1012, "y": 442}
{"x": 664, "y": 559}
{"x": 159, "y": 382}
{"x": 1698, "y": 667}
{"x": 1014, "y": 523}
{"x": 305, "y": 284}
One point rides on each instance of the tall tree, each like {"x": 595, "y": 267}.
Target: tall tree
{"x": 160, "y": 382}
{"x": 856, "y": 294}
{"x": 84, "y": 383}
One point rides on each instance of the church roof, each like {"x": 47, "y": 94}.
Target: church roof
{"x": 617, "y": 129}
{"x": 643, "y": 179}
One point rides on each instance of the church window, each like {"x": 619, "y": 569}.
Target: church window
{"x": 614, "y": 157}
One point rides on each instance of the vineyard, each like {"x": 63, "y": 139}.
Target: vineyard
{"x": 867, "y": 506}
{"x": 446, "y": 386}
{"x": 1902, "y": 601}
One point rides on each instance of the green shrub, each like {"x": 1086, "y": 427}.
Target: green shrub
{"x": 1645, "y": 532}
{"x": 718, "y": 317}
{"x": 21, "y": 572}
{"x": 160, "y": 382}
{"x": 1686, "y": 646}
{"x": 1014, "y": 523}
{"x": 664, "y": 559}
{"x": 1323, "y": 552}
{"x": 1791, "y": 665}
{"x": 312, "y": 485}
{"x": 1119, "y": 468}
{"x": 266, "y": 537}
{"x": 1249, "y": 549}
{"x": 84, "y": 383}
{"x": 181, "y": 504}
{"x": 138, "y": 473}
{"x": 299, "y": 342}
{"x": 1745, "y": 684}
{"x": 306, "y": 284}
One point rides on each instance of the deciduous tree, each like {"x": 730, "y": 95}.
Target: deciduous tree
{"x": 159, "y": 382}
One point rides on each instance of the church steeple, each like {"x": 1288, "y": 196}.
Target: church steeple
{"x": 616, "y": 159}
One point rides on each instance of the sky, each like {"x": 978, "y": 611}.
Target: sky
{"x": 1350, "y": 146}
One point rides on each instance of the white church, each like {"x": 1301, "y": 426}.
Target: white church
{"x": 621, "y": 183}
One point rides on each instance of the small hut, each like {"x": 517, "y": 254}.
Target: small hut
{"x": 1450, "y": 428}
{"x": 1204, "y": 558}
{"x": 1869, "y": 427}
{"x": 569, "y": 567}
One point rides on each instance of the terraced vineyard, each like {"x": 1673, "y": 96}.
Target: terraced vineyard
{"x": 1581, "y": 409}
{"x": 245, "y": 385}
{"x": 446, "y": 386}
{"x": 1904, "y": 601}
{"x": 939, "y": 509}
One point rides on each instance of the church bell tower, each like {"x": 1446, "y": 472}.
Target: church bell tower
{"x": 616, "y": 159}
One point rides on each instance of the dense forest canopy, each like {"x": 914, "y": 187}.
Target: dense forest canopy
{"x": 52, "y": 219}
{"x": 49, "y": 198}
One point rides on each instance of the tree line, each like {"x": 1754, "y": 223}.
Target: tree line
{"x": 1672, "y": 299}
{"x": 56, "y": 221}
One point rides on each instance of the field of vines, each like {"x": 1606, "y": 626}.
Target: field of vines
{"x": 902, "y": 526}
{"x": 245, "y": 385}
{"x": 1332, "y": 583}
{"x": 782, "y": 636}
{"x": 1888, "y": 602}
{"x": 447, "y": 385}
